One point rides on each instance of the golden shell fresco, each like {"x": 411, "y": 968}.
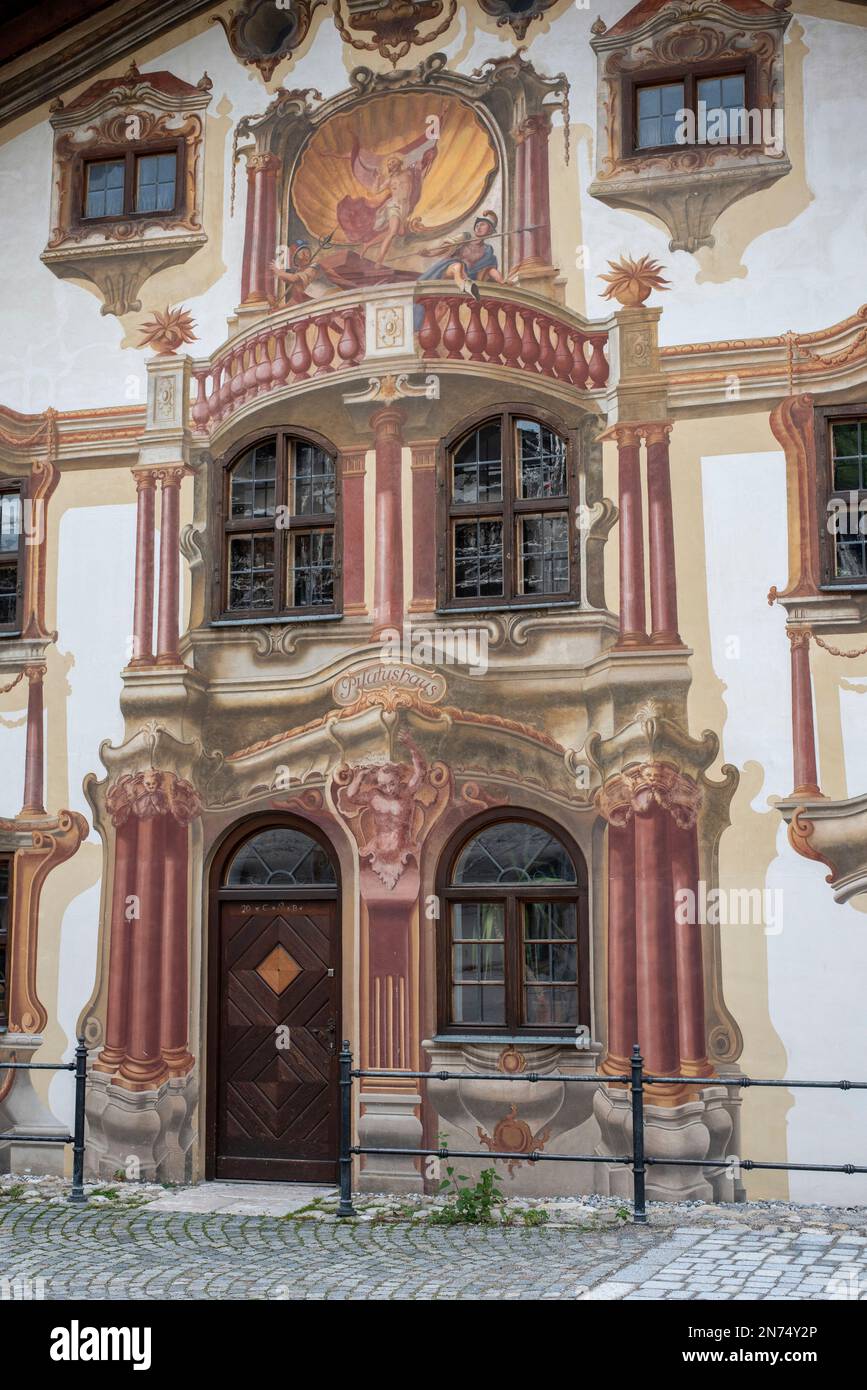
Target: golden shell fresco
{"x": 455, "y": 183}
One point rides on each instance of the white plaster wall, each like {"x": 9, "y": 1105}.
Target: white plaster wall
{"x": 817, "y": 963}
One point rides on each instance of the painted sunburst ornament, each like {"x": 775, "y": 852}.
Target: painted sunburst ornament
{"x": 167, "y": 331}
{"x": 630, "y": 282}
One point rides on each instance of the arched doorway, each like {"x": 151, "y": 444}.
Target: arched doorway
{"x": 274, "y": 1005}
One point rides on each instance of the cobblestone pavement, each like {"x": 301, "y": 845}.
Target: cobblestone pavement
{"x": 56, "y": 1252}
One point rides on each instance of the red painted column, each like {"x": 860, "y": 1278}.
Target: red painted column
{"x": 692, "y": 1034}
{"x": 656, "y": 962}
{"x": 632, "y": 609}
{"x": 34, "y": 753}
{"x": 122, "y": 925}
{"x": 352, "y": 470}
{"x": 143, "y": 613}
{"x": 387, "y": 426}
{"x": 803, "y": 732}
{"x": 143, "y": 1068}
{"x": 170, "y": 563}
{"x": 424, "y": 531}
{"x": 538, "y": 208}
{"x": 174, "y": 956}
{"x": 622, "y": 999}
{"x": 260, "y": 228}
{"x": 663, "y": 577}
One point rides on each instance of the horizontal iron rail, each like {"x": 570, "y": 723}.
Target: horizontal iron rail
{"x": 79, "y": 1067}
{"x": 636, "y": 1080}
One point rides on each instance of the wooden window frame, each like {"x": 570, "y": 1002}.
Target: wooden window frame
{"x": 130, "y": 154}
{"x": 511, "y": 897}
{"x": 13, "y": 628}
{"x": 826, "y": 416}
{"x": 689, "y": 76}
{"x": 509, "y": 509}
{"x": 226, "y": 527}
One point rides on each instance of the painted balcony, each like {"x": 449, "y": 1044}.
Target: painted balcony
{"x": 509, "y": 332}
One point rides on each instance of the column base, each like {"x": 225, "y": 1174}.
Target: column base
{"x": 390, "y": 1122}
{"x": 697, "y": 1129}
{"x": 21, "y": 1110}
{"x": 630, "y": 639}
{"x": 143, "y": 1135}
{"x": 666, "y": 639}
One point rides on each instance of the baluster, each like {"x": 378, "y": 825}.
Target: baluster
{"x": 199, "y": 410}
{"x": 429, "y": 333}
{"x": 511, "y": 337}
{"x": 454, "y": 336}
{"x": 226, "y": 388}
{"x": 238, "y": 384}
{"x": 299, "y": 360}
{"x": 214, "y": 400}
{"x": 494, "y": 331}
{"x": 264, "y": 371}
{"x": 360, "y": 333}
{"x": 529, "y": 342}
{"x": 323, "y": 349}
{"x": 546, "y": 347}
{"x": 579, "y": 361}
{"x": 598, "y": 361}
{"x": 476, "y": 338}
{"x": 347, "y": 347}
{"x": 562, "y": 355}
{"x": 280, "y": 365}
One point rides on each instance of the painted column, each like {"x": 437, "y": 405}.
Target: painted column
{"x": 174, "y": 955}
{"x": 352, "y": 468}
{"x": 143, "y": 613}
{"x": 633, "y": 621}
{"x": 535, "y": 213}
{"x": 663, "y": 578}
{"x": 692, "y": 1034}
{"x": 424, "y": 527}
{"x": 656, "y": 963}
{"x": 803, "y": 732}
{"x": 260, "y": 229}
{"x": 117, "y": 1008}
{"x": 387, "y": 426}
{"x": 143, "y": 1068}
{"x": 34, "y": 755}
{"x": 622, "y": 1001}
{"x": 167, "y": 616}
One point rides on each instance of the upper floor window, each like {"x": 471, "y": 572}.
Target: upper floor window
{"x": 509, "y": 491}
{"x": 717, "y": 101}
{"x": 513, "y": 935}
{"x": 11, "y": 557}
{"x": 131, "y": 183}
{"x": 5, "y": 893}
{"x": 841, "y": 439}
{"x": 281, "y": 509}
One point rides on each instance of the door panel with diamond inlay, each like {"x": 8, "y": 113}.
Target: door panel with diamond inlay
{"x": 277, "y": 1055}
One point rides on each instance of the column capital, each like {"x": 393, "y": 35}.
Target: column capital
{"x": 174, "y": 476}
{"x": 637, "y": 789}
{"x": 145, "y": 479}
{"x": 388, "y": 422}
{"x": 36, "y": 672}
{"x": 799, "y": 637}
{"x": 263, "y": 163}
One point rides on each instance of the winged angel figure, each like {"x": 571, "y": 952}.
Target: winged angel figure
{"x": 386, "y": 798}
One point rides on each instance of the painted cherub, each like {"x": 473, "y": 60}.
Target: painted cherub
{"x": 388, "y": 793}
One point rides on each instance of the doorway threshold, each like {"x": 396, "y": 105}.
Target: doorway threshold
{"x": 243, "y": 1198}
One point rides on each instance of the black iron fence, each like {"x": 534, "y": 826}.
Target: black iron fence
{"x": 76, "y": 1139}
{"x": 636, "y": 1079}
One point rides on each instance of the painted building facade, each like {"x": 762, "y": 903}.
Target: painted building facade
{"x": 432, "y": 586}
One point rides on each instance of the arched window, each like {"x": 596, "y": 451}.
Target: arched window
{"x": 281, "y": 509}
{"x": 513, "y": 954}
{"x": 280, "y": 857}
{"x": 509, "y": 489}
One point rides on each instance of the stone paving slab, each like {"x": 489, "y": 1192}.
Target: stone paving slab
{"x": 243, "y": 1198}
{"x": 63, "y": 1252}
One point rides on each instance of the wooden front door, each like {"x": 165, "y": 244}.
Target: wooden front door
{"x": 277, "y": 1043}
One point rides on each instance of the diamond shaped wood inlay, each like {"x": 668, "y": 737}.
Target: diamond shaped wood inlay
{"x": 278, "y": 969}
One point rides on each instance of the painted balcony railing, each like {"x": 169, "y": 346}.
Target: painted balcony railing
{"x": 290, "y": 348}
{"x": 507, "y": 328}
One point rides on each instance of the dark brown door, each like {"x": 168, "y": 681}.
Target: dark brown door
{"x": 277, "y": 1040}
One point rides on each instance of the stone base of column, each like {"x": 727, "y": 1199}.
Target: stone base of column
{"x": 145, "y": 1135}
{"x": 390, "y": 1122}
{"x": 697, "y": 1129}
{"x": 22, "y": 1112}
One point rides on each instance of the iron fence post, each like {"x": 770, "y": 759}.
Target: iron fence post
{"x": 77, "y": 1193}
{"x": 639, "y": 1211}
{"x": 345, "y": 1207}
